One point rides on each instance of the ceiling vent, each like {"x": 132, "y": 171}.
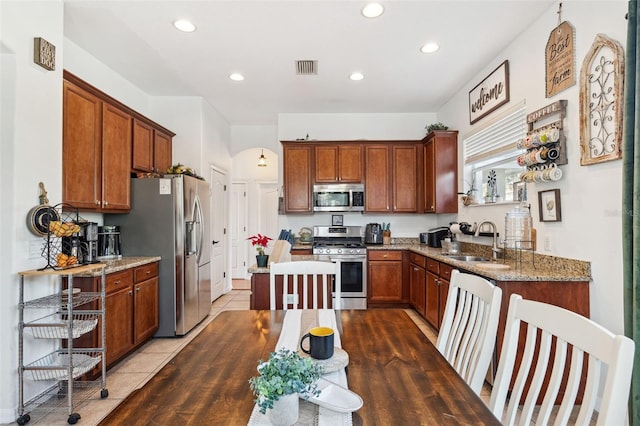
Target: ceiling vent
{"x": 306, "y": 67}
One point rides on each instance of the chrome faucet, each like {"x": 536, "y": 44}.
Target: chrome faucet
{"x": 494, "y": 249}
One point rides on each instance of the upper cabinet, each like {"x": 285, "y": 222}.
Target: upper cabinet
{"x": 103, "y": 142}
{"x": 151, "y": 148}
{"x": 96, "y": 152}
{"x": 298, "y": 169}
{"x": 441, "y": 171}
{"x": 391, "y": 177}
{"x": 338, "y": 163}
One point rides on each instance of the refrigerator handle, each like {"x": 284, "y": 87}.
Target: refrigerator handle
{"x": 199, "y": 220}
{"x": 190, "y": 243}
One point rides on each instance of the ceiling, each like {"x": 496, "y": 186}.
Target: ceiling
{"x": 263, "y": 39}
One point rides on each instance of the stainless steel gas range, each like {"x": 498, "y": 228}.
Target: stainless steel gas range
{"x": 343, "y": 245}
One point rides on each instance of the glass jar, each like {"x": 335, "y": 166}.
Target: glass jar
{"x": 518, "y": 224}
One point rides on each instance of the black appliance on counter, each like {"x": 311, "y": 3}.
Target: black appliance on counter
{"x": 373, "y": 233}
{"x": 434, "y": 236}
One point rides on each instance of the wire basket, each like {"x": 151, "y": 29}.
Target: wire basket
{"x": 55, "y": 366}
{"x": 62, "y": 243}
{"x": 56, "y": 326}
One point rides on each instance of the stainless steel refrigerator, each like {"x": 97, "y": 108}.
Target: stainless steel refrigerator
{"x": 169, "y": 218}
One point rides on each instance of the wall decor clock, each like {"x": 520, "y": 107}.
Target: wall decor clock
{"x": 44, "y": 53}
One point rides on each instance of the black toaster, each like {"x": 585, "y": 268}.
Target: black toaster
{"x": 435, "y": 236}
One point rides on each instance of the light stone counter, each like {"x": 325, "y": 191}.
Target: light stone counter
{"x": 122, "y": 264}
{"x": 253, "y": 269}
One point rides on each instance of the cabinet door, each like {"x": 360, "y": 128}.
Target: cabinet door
{"x": 417, "y": 288}
{"x": 297, "y": 178}
{"x": 81, "y": 148}
{"x": 405, "y": 178}
{"x": 119, "y": 317}
{"x": 327, "y": 164}
{"x": 441, "y": 172}
{"x": 385, "y": 281}
{"x": 142, "y": 155}
{"x": 350, "y": 163}
{"x": 443, "y": 292}
{"x": 146, "y": 309}
{"x": 431, "y": 310}
{"x": 162, "y": 151}
{"x": 429, "y": 178}
{"x": 377, "y": 177}
{"x": 116, "y": 159}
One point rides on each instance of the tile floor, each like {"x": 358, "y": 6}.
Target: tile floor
{"x": 134, "y": 371}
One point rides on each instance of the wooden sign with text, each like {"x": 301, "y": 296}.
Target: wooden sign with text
{"x": 560, "y": 59}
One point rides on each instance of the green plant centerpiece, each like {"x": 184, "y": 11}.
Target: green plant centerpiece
{"x": 436, "y": 126}
{"x": 284, "y": 373}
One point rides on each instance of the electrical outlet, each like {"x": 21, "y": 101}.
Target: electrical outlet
{"x": 547, "y": 243}
{"x": 292, "y": 299}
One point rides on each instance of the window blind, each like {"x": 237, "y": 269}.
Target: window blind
{"x": 497, "y": 142}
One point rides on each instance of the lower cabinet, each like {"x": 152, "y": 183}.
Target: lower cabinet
{"x": 417, "y": 282}
{"x": 438, "y": 277}
{"x": 384, "y": 279}
{"x": 131, "y": 313}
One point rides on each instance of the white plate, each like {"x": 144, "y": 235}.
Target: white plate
{"x": 336, "y": 398}
{"x": 76, "y": 290}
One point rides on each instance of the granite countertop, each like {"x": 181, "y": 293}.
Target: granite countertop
{"x": 121, "y": 265}
{"x": 531, "y": 267}
{"x": 253, "y": 269}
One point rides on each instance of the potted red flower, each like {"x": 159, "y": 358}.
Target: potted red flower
{"x": 260, "y": 242}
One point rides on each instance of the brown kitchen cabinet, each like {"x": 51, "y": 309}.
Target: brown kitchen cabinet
{"x": 417, "y": 282}
{"x": 406, "y": 167}
{"x": 377, "y": 197}
{"x": 437, "y": 289}
{"x": 441, "y": 172}
{"x": 340, "y": 163}
{"x": 384, "y": 279}
{"x": 96, "y": 152}
{"x": 119, "y": 315}
{"x": 151, "y": 148}
{"x": 297, "y": 172}
{"x": 146, "y": 320}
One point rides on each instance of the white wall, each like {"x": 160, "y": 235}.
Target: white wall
{"x": 590, "y": 195}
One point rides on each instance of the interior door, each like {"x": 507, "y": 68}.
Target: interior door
{"x": 218, "y": 235}
{"x": 238, "y": 228}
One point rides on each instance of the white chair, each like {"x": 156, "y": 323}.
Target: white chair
{"x": 311, "y": 278}
{"x": 585, "y": 337}
{"x": 467, "y": 336}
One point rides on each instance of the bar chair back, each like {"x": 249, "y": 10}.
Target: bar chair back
{"x": 306, "y": 285}
{"x": 468, "y": 333}
{"x": 566, "y": 329}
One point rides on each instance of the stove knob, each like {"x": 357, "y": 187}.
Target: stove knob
{"x": 339, "y": 251}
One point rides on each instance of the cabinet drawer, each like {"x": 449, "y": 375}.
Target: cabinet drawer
{"x": 433, "y": 266}
{"x": 418, "y": 260}
{"x": 119, "y": 280}
{"x": 144, "y": 272}
{"x": 384, "y": 255}
{"x": 445, "y": 271}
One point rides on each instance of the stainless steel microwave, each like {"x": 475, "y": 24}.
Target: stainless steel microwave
{"x": 338, "y": 198}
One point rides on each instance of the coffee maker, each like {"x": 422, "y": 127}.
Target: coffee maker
{"x": 373, "y": 233}
{"x": 109, "y": 242}
{"x": 89, "y": 239}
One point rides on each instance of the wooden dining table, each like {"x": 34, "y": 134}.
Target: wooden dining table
{"x": 399, "y": 374}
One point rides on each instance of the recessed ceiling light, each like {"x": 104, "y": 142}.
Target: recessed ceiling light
{"x": 429, "y": 47}
{"x": 372, "y": 10}
{"x": 356, "y": 76}
{"x": 184, "y": 25}
{"x": 236, "y": 76}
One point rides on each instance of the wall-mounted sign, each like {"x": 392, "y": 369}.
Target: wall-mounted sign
{"x": 490, "y": 94}
{"x": 560, "y": 59}
{"x": 44, "y": 53}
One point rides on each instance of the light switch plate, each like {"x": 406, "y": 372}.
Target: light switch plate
{"x": 35, "y": 249}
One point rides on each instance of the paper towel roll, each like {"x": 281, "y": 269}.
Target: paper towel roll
{"x": 455, "y": 229}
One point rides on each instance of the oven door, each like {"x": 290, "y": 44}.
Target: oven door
{"x": 353, "y": 281}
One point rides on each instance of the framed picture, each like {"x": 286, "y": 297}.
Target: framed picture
{"x": 337, "y": 220}
{"x": 549, "y": 205}
{"x": 490, "y": 94}
{"x": 520, "y": 191}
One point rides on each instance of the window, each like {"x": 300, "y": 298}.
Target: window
{"x": 490, "y": 157}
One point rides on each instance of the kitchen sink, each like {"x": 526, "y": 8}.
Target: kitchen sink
{"x": 467, "y": 258}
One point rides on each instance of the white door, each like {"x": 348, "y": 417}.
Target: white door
{"x": 238, "y": 229}
{"x": 218, "y": 233}
{"x": 268, "y": 209}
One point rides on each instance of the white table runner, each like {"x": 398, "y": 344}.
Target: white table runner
{"x": 297, "y": 323}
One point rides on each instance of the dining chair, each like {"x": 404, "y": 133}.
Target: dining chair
{"x": 310, "y": 280}
{"x": 550, "y": 323}
{"x": 468, "y": 332}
